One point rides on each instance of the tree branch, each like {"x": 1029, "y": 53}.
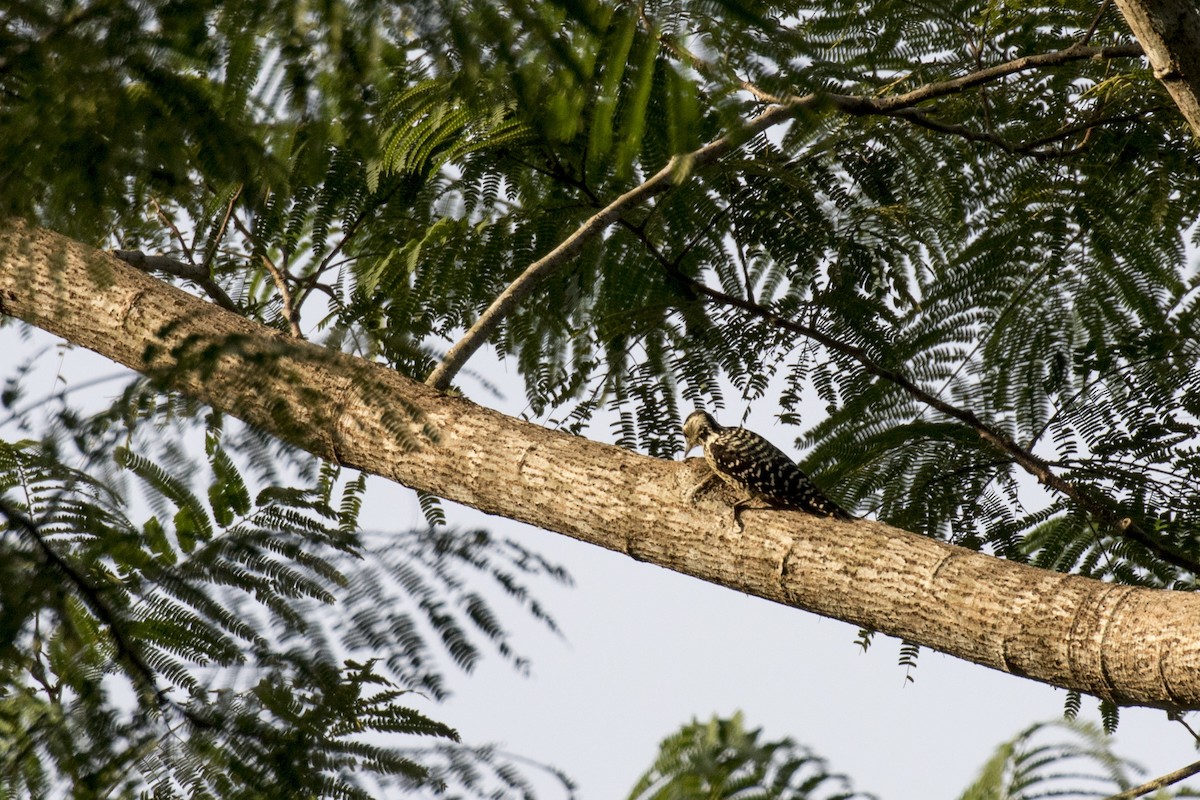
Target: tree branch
{"x": 1034, "y": 149}
{"x": 1170, "y": 32}
{"x": 291, "y": 311}
{"x": 1091, "y": 31}
{"x": 141, "y": 672}
{"x": 170, "y": 266}
{"x": 681, "y": 166}
{"x": 1076, "y": 52}
{"x": 524, "y": 285}
{"x": 1129, "y": 645}
{"x": 1158, "y": 783}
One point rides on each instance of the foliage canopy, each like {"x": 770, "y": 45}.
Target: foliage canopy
{"x": 980, "y": 282}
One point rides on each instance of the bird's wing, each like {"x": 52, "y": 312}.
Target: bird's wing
{"x": 764, "y": 470}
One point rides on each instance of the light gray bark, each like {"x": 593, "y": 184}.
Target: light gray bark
{"x": 1169, "y": 32}
{"x": 1130, "y": 645}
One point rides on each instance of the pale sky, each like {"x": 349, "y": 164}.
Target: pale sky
{"x": 648, "y": 649}
{"x": 645, "y": 650}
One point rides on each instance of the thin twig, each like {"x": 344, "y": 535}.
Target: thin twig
{"x": 221, "y": 230}
{"x": 1035, "y": 149}
{"x": 1158, "y": 783}
{"x": 187, "y": 250}
{"x": 1091, "y": 31}
{"x": 142, "y": 672}
{"x": 291, "y": 311}
{"x": 1188, "y": 728}
{"x": 681, "y": 166}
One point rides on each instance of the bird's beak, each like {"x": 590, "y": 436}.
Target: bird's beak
{"x": 690, "y": 447}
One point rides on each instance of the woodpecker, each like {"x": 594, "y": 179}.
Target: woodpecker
{"x": 750, "y": 463}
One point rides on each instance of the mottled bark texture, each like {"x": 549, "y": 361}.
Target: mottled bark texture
{"x": 1129, "y": 645}
{"x": 1169, "y": 31}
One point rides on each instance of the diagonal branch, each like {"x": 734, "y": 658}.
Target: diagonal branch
{"x": 171, "y": 266}
{"x": 525, "y": 283}
{"x": 1160, "y": 782}
{"x": 681, "y": 166}
{"x": 126, "y": 650}
{"x": 1170, "y": 31}
{"x": 1129, "y": 645}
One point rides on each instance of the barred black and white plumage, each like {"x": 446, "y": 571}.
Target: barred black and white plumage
{"x": 750, "y": 463}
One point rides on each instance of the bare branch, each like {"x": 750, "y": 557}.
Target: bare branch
{"x": 291, "y": 311}
{"x": 170, "y": 266}
{"x": 1158, "y": 783}
{"x": 681, "y": 166}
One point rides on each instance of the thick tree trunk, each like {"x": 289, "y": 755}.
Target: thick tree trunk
{"x": 1169, "y": 32}
{"x": 1130, "y": 645}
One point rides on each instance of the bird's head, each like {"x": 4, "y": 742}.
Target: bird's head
{"x": 697, "y": 428}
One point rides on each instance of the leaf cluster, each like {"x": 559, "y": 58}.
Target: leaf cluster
{"x": 1013, "y": 249}
{"x": 1065, "y": 758}
{"x": 188, "y": 654}
{"x": 936, "y": 295}
{"x": 721, "y": 759}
